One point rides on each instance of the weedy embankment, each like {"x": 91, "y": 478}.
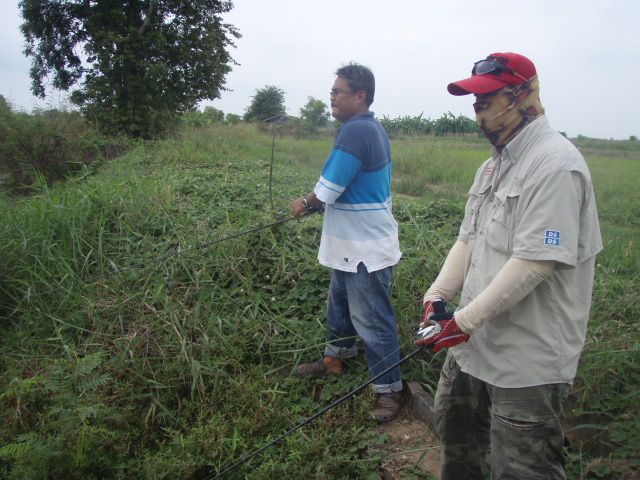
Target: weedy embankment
{"x": 134, "y": 347}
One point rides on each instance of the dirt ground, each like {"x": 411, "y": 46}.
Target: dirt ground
{"x": 412, "y": 451}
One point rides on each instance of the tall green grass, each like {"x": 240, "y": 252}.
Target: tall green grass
{"x": 433, "y": 165}
{"x": 615, "y": 180}
{"x": 133, "y": 345}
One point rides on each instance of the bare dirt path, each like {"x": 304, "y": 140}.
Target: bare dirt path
{"x": 411, "y": 452}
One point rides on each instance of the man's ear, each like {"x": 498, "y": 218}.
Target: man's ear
{"x": 361, "y": 96}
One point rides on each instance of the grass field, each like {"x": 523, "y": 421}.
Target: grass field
{"x": 134, "y": 344}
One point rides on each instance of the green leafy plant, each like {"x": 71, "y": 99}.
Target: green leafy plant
{"x": 143, "y": 63}
{"x": 135, "y": 346}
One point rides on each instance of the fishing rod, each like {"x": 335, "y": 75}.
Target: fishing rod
{"x": 157, "y": 261}
{"x": 306, "y": 421}
{"x": 428, "y": 331}
{"x": 307, "y": 213}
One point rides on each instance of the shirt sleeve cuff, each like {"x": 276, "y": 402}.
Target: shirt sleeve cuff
{"x": 327, "y": 192}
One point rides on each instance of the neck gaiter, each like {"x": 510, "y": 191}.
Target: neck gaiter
{"x": 503, "y": 114}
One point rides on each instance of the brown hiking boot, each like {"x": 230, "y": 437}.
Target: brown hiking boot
{"x": 387, "y": 406}
{"x": 320, "y": 368}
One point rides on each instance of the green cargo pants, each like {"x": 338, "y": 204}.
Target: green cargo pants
{"x": 498, "y": 433}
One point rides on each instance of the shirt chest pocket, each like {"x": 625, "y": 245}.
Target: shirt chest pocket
{"x": 502, "y": 223}
{"x": 477, "y": 196}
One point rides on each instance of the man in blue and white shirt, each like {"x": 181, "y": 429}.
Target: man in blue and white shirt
{"x": 359, "y": 240}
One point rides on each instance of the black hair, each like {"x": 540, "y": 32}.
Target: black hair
{"x": 359, "y": 77}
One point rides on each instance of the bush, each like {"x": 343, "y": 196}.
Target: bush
{"x": 314, "y": 114}
{"x": 267, "y": 102}
{"x": 232, "y": 119}
{"x": 48, "y": 143}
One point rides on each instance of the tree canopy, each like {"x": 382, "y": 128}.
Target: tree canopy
{"x": 315, "y": 113}
{"x": 267, "y": 102}
{"x": 136, "y": 63}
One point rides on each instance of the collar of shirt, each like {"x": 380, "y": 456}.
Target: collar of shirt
{"x": 363, "y": 116}
{"x": 514, "y": 149}
{"x": 503, "y": 161}
{"x": 366, "y": 114}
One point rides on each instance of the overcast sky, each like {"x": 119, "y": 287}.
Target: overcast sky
{"x": 587, "y": 54}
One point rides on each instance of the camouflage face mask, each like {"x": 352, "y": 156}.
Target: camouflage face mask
{"x": 503, "y": 114}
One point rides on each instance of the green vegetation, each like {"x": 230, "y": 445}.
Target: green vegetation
{"x": 447, "y": 123}
{"x": 47, "y": 145}
{"x": 267, "y": 102}
{"x": 134, "y": 65}
{"x": 135, "y": 346}
{"x": 315, "y": 114}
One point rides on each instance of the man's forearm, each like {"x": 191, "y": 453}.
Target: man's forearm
{"x": 451, "y": 276}
{"x": 516, "y": 279}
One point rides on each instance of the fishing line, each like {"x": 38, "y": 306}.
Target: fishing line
{"x": 159, "y": 260}
{"x": 227, "y": 469}
{"x": 230, "y": 237}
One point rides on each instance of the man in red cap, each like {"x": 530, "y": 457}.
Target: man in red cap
{"x": 524, "y": 263}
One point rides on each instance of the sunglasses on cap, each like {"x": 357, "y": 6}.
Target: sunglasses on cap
{"x": 484, "y": 67}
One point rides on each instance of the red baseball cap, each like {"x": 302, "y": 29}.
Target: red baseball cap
{"x": 493, "y": 73}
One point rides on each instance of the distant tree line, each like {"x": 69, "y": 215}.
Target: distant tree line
{"x": 448, "y": 123}
{"x": 146, "y": 64}
{"x": 269, "y": 102}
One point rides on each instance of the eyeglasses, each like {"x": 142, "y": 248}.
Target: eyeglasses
{"x": 337, "y": 91}
{"x": 483, "y": 67}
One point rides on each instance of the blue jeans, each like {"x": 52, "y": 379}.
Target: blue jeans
{"x": 359, "y": 305}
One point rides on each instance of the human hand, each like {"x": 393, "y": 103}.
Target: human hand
{"x": 442, "y": 331}
{"x": 430, "y": 308}
{"x": 297, "y": 208}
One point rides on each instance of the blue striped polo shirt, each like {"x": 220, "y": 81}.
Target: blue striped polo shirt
{"x": 355, "y": 185}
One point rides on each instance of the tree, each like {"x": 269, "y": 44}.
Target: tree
{"x": 213, "y": 115}
{"x": 267, "y": 102}
{"x": 143, "y": 61}
{"x": 315, "y": 113}
{"x": 232, "y": 118}
{"x": 4, "y": 105}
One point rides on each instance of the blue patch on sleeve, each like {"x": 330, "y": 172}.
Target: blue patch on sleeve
{"x": 552, "y": 237}
{"x": 341, "y": 167}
